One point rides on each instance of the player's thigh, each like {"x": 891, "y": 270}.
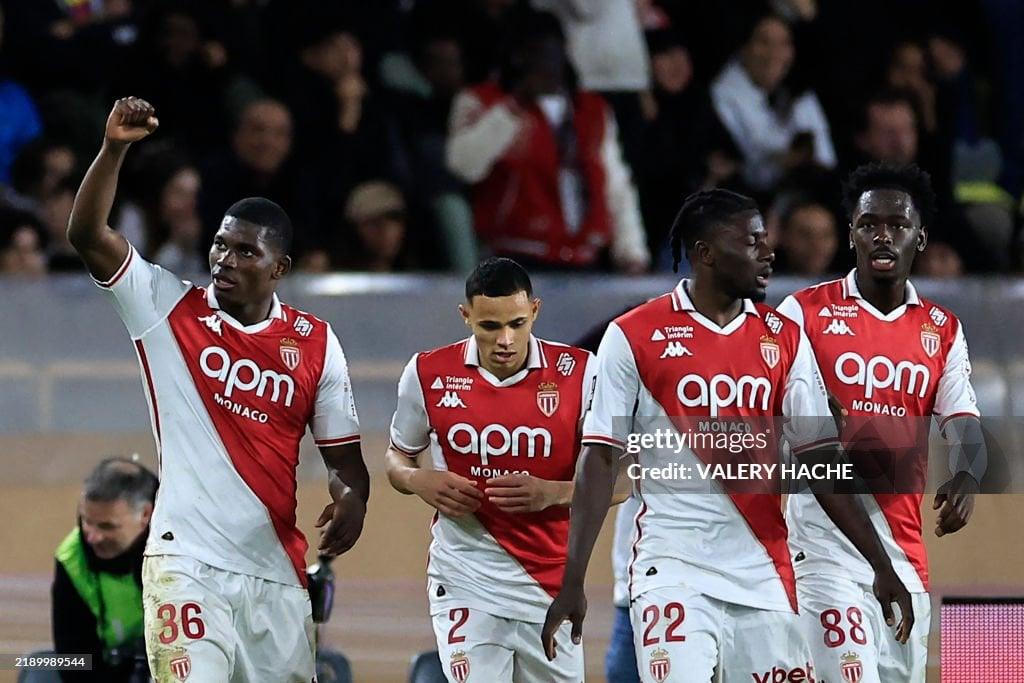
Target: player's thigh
{"x": 676, "y": 634}
{"x": 188, "y": 626}
{"x": 471, "y": 642}
{"x": 765, "y": 646}
{"x": 530, "y": 663}
{"x": 276, "y": 635}
{"x": 842, "y": 622}
{"x": 908, "y": 662}
{"x": 620, "y": 661}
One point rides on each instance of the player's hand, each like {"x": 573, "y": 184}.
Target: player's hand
{"x": 956, "y": 500}
{"x": 341, "y": 523}
{"x": 839, "y": 413}
{"x": 889, "y": 589}
{"x": 570, "y": 604}
{"x": 130, "y": 120}
{"x": 449, "y": 493}
{"x": 522, "y": 492}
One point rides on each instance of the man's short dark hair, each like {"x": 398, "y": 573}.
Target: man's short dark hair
{"x": 266, "y": 214}
{"x": 909, "y": 178}
{"x": 121, "y": 479}
{"x": 700, "y": 212}
{"x": 498, "y": 276}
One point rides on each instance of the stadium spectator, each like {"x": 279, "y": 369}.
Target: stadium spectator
{"x": 939, "y": 260}
{"x": 777, "y": 128}
{"x": 258, "y": 164}
{"x": 163, "y": 216}
{"x": 808, "y": 241}
{"x": 21, "y": 244}
{"x": 97, "y": 582}
{"x": 39, "y": 168}
{"x": 549, "y": 183}
{"x": 55, "y": 210}
{"x": 21, "y": 121}
{"x": 376, "y": 213}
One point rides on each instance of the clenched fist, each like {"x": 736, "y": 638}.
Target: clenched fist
{"x": 130, "y": 120}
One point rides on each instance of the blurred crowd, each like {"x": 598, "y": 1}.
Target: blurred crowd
{"x": 422, "y": 134}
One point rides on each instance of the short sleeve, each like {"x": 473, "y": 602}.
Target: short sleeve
{"x": 955, "y": 394}
{"x": 144, "y": 294}
{"x": 809, "y": 422}
{"x": 589, "y": 381}
{"x": 410, "y": 428}
{"x": 335, "y": 421}
{"x": 615, "y": 391}
{"x": 790, "y": 308}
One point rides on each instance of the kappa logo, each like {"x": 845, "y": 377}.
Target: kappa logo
{"x": 657, "y": 335}
{"x": 565, "y": 364}
{"x": 838, "y": 326}
{"x": 213, "y": 321}
{"x": 450, "y": 400}
{"x": 773, "y": 322}
{"x": 937, "y": 316}
{"x": 824, "y": 312}
{"x": 303, "y": 326}
{"x": 438, "y": 384}
{"x": 675, "y": 349}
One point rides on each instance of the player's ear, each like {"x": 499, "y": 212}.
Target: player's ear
{"x": 535, "y": 307}
{"x": 851, "y": 236}
{"x": 282, "y": 267}
{"x": 922, "y": 238}
{"x": 702, "y": 253}
{"x": 464, "y": 310}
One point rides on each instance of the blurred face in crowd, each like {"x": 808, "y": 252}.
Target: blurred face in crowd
{"x": 23, "y": 254}
{"x": 891, "y": 133}
{"x": 768, "y": 55}
{"x": 939, "y": 260}
{"x": 56, "y": 212}
{"x": 111, "y": 527}
{"x": 810, "y": 240}
{"x": 179, "y": 198}
{"x": 908, "y": 68}
{"x": 545, "y": 64}
{"x": 337, "y": 56}
{"x": 264, "y": 136}
{"x": 382, "y": 238}
{"x": 58, "y": 163}
{"x": 886, "y": 233}
{"x": 502, "y": 327}
{"x": 179, "y": 39}
{"x": 672, "y": 69}
{"x": 442, "y": 66}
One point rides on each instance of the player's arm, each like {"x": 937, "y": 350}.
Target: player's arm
{"x": 615, "y": 393}
{"x": 102, "y": 249}
{"x": 812, "y": 435}
{"x": 965, "y": 438}
{"x": 348, "y": 483}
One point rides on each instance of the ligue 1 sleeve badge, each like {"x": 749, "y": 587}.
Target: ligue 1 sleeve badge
{"x": 290, "y": 355}
{"x": 547, "y": 398}
{"x": 460, "y": 666}
{"x": 660, "y": 665}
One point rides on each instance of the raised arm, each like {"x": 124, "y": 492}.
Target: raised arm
{"x": 103, "y": 250}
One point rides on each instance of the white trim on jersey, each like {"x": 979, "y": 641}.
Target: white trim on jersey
{"x": 410, "y": 427}
{"x": 682, "y": 302}
{"x": 534, "y": 359}
{"x": 615, "y": 391}
{"x": 276, "y": 312}
{"x": 954, "y": 396}
{"x": 852, "y": 291}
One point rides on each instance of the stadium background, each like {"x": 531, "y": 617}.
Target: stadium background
{"x": 69, "y": 387}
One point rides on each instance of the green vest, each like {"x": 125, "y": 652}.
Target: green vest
{"x": 115, "y": 600}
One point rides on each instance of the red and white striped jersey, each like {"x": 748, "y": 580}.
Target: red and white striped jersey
{"x": 891, "y": 372}
{"x": 506, "y": 564}
{"x": 665, "y": 360}
{"x": 229, "y": 404}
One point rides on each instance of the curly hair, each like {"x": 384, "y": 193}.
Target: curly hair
{"x": 700, "y": 212}
{"x": 909, "y": 178}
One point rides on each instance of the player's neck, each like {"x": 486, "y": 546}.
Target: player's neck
{"x": 503, "y": 373}
{"x": 248, "y": 313}
{"x": 714, "y": 304}
{"x": 884, "y": 295}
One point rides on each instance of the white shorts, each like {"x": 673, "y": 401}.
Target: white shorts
{"x": 686, "y": 637}
{"x": 843, "y": 623}
{"x": 208, "y": 625}
{"x": 475, "y": 646}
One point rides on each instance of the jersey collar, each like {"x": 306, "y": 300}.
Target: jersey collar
{"x": 852, "y": 291}
{"x": 682, "y": 302}
{"x": 535, "y": 359}
{"x": 276, "y": 313}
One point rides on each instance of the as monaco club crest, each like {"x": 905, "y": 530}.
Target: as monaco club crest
{"x": 181, "y": 666}
{"x": 930, "y": 339}
{"x": 290, "y": 353}
{"x": 851, "y": 668}
{"x": 547, "y": 398}
{"x": 460, "y": 666}
{"x": 660, "y": 665}
{"x": 770, "y": 351}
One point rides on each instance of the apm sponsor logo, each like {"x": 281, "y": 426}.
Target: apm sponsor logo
{"x": 496, "y": 440}
{"x": 723, "y": 391}
{"x": 245, "y": 375}
{"x": 880, "y": 372}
